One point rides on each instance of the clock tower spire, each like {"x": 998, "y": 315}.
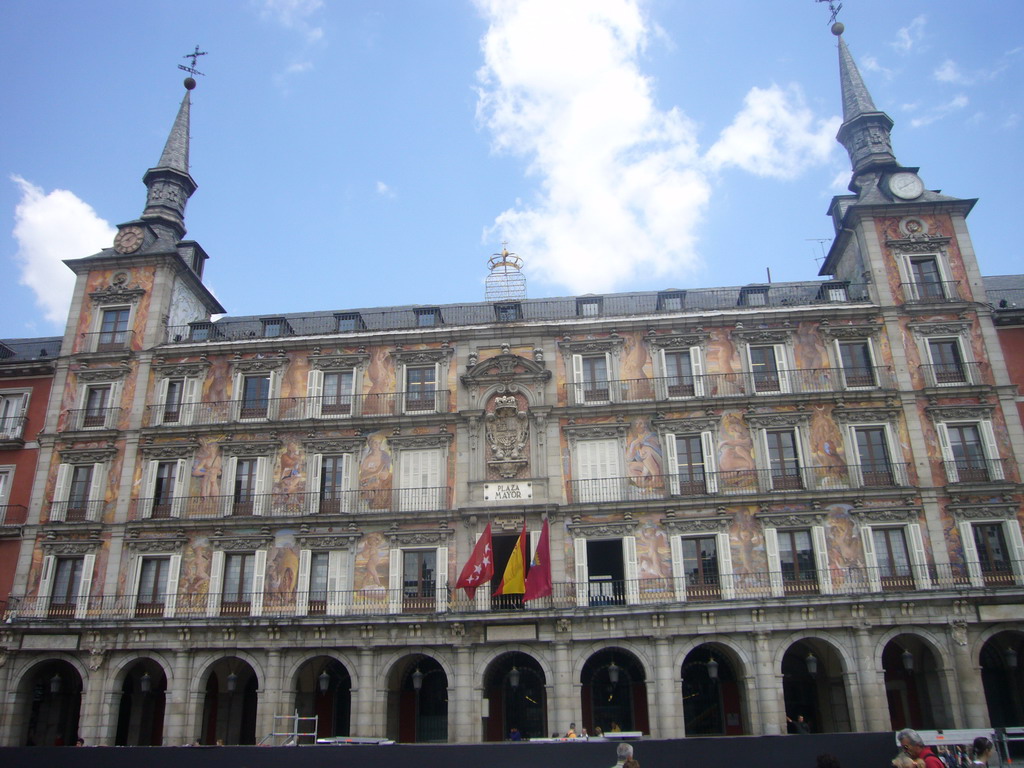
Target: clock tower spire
{"x": 169, "y": 184}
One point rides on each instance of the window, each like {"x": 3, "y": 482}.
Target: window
{"x": 783, "y": 454}
{"x": 419, "y": 585}
{"x": 947, "y": 363}
{"x": 13, "y": 407}
{"x": 892, "y": 558}
{"x": 606, "y": 571}
{"x": 350, "y": 321}
{"x": 275, "y": 326}
{"x": 238, "y": 582}
{"x": 700, "y": 567}
{"x": 872, "y": 465}
{"x": 176, "y": 401}
{"x": 78, "y": 492}
{"x": 255, "y": 396}
{"x": 590, "y": 376}
{"x": 993, "y": 552}
{"x": 172, "y": 400}
{"x": 66, "y": 582}
{"x": 203, "y": 331}
{"x": 682, "y": 369}
{"x": 428, "y": 318}
{"x": 588, "y": 307}
{"x": 754, "y": 296}
{"x": 334, "y": 484}
{"x": 113, "y": 329}
{"x": 926, "y": 278}
{"x": 6, "y": 476}
{"x": 598, "y": 471}
{"x": 244, "y": 485}
{"x": 152, "y": 593}
{"x": 858, "y": 364}
{"x": 895, "y": 559}
{"x": 164, "y": 488}
{"x": 670, "y": 301}
{"x": 322, "y": 582}
{"x": 64, "y": 586}
{"x": 318, "y": 565}
{"x": 768, "y": 368}
{"x": 970, "y": 452}
{"x": 693, "y": 459}
{"x": 420, "y": 485}
{"x": 337, "y": 397}
{"x": 797, "y": 560}
{"x": 508, "y": 313}
{"x": 832, "y": 292}
{"x": 993, "y": 555}
{"x": 97, "y": 402}
{"x": 420, "y": 388}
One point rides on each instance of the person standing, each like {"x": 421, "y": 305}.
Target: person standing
{"x": 911, "y": 742}
{"x": 623, "y": 753}
{"x": 981, "y": 751}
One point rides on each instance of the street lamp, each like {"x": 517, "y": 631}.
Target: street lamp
{"x": 1011, "y": 658}
{"x": 323, "y": 682}
{"x": 613, "y": 673}
{"x": 513, "y": 677}
{"x": 712, "y": 666}
{"x": 908, "y": 660}
{"x": 812, "y": 664}
{"x": 232, "y": 682}
{"x": 145, "y": 682}
{"x": 55, "y": 683}
{"x": 417, "y": 679}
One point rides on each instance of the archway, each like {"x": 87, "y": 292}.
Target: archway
{"x": 229, "y": 707}
{"x": 711, "y": 694}
{"x": 53, "y": 691}
{"x": 1002, "y": 675}
{"x": 913, "y": 687}
{"x": 813, "y": 688}
{"x": 418, "y": 701}
{"x": 140, "y": 713}
{"x": 614, "y": 692}
{"x": 514, "y": 685}
{"x": 323, "y": 687}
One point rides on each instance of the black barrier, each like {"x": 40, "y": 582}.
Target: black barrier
{"x": 854, "y": 750}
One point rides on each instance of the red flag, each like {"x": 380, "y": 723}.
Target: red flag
{"x": 479, "y": 569}
{"x": 538, "y": 580}
{"x": 513, "y": 582}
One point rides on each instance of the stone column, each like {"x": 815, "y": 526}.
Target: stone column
{"x": 563, "y": 708}
{"x": 769, "y": 687}
{"x": 92, "y": 700}
{"x": 269, "y": 701}
{"x": 175, "y": 723}
{"x": 362, "y": 705}
{"x": 872, "y": 683}
{"x": 463, "y": 712}
{"x": 974, "y": 710}
{"x": 671, "y": 724}
{"x": 9, "y": 700}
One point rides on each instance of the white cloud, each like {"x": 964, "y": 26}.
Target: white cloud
{"x": 909, "y": 36}
{"x": 949, "y": 72}
{"x": 775, "y": 134}
{"x": 50, "y": 228}
{"x": 295, "y": 14}
{"x": 622, "y": 185}
{"x": 384, "y": 190}
{"x": 943, "y": 110}
{"x": 871, "y": 64}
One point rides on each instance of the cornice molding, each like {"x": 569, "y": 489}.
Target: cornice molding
{"x": 790, "y": 519}
{"x": 172, "y": 451}
{"x": 953, "y": 412}
{"x": 603, "y": 530}
{"x": 259, "y": 364}
{"x": 687, "y": 426}
{"x": 762, "y": 335}
{"x": 250, "y": 448}
{"x": 696, "y": 524}
{"x": 944, "y": 328}
{"x": 886, "y": 515}
{"x": 188, "y": 370}
{"x": 86, "y": 455}
{"x": 436, "y": 537}
{"x": 334, "y": 445}
{"x": 422, "y": 356}
{"x": 681, "y": 340}
{"x": 611, "y": 344}
{"x": 338, "y": 362}
{"x": 842, "y": 332}
{"x": 769, "y": 420}
{"x": 99, "y": 375}
{"x": 865, "y": 415}
{"x": 117, "y": 294}
{"x": 594, "y": 431}
{"x": 436, "y": 440}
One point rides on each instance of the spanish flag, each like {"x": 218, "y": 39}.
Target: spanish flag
{"x": 513, "y": 582}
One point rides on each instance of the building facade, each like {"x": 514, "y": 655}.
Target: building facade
{"x": 764, "y": 501}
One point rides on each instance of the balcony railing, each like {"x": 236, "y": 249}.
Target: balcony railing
{"x": 715, "y": 385}
{"x": 90, "y": 418}
{"x": 13, "y": 514}
{"x": 106, "y": 341}
{"x": 976, "y": 470}
{"x": 595, "y": 594}
{"x": 294, "y": 504}
{"x": 931, "y": 293}
{"x": 694, "y": 481}
{"x": 12, "y": 427}
{"x": 952, "y": 374}
{"x": 297, "y": 408}
{"x": 77, "y": 511}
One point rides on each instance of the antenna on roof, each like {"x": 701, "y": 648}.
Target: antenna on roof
{"x": 821, "y": 244}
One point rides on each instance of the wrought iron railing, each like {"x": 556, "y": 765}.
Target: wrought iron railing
{"x": 595, "y": 594}
{"x": 105, "y": 341}
{"x": 77, "y": 511}
{"x": 76, "y": 419}
{"x": 977, "y": 470}
{"x": 952, "y": 374}
{"x": 297, "y": 408}
{"x": 13, "y": 514}
{"x": 931, "y": 292}
{"x": 715, "y": 385}
{"x": 12, "y": 427}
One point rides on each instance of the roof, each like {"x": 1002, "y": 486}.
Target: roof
{"x": 24, "y": 350}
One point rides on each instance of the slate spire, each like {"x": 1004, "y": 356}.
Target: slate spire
{"x": 865, "y": 131}
{"x": 168, "y": 184}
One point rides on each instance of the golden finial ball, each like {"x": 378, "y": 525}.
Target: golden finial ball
{"x": 837, "y": 28}
{"x": 190, "y": 83}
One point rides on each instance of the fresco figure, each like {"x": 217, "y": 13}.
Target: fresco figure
{"x": 643, "y": 456}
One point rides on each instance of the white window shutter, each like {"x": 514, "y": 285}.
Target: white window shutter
{"x": 173, "y": 573}
{"x": 346, "y": 482}
{"x": 441, "y": 580}
{"x": 161, "y": 402}
{"x": 134, "y": 574}
{"x": 96, "y": 488}
{"x": 782, "y": 367}
{"x": 216, "y": 591}
{"x": 181, "y": 488}
{"x": 274, "y": 403}
{"x": 991, "y": 447}
{"x": 630, "y": 570}
{"x": 335, "y": 587}
{"x": 697, "y": 367}
{"x": 853, "y": 458}
{"x": 314, "y": 394}
{"x": 534, "y": 539}
{"x": 672, "y": 463}
{"x": 771, "y": 548}
{"x": 952, "y": 473}
{"x": 229, "y": 466}
{"x": 61, "y": 492}
{"x": 189, "y": 402}
{"x": 918, "y": 559}
{"x": 395, "y": 581}
{"x": 764, "y": 473}
{"x": 314, "y": 481}
{"x": 259, "y": 580}
{"x": 577, "y": 380}
{"x": 432, "y": 479}
{"x": 302, "y": 587}
{"x": 910, "y": 292}
{"x": 867, "y": 537}
{"x": 678, "y": 576}
{"x": 261, "y": 490}
{"x": 899, "y": 466}
{"x": 113, "y": 414}
{"x": 45, "y": 585}
{"x": 237, "y": 387}
{"x": 148, "y": 492}
{"x": 582, "y": 573}
{"x": 613, "y": 386}
{"x": 440, "y": 391}
{"x": 342, "y": 560}
{"x": 84, "y": 587}
{"x": 971, "y": 559}
{"x": 661, "y": 382}
{"x": 725, "y": 576}
{"x": 821, "y": 559}
{"x": 804, "y": 472}
{"x": 1015, "y": 543}
{"x": 708, "y": 449}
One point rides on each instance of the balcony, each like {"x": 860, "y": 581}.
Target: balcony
{"x": 297, "y": 408}
{"x": 931, "y": 293}
{"x": 979, "y": 470}
{"x": 13, "y": 514}
{"x": 694, "y": 481}
{"x": 80, "y": 419}
{"x": 953, "y": 374}
{"x": 12, "y": 429}
{"x": 105, "y": 341}
{"x": 724, "y": 385}
{"x": 598, "y": 594}
{"x": 364, "y": 501}
{"x": 77, "y": 511}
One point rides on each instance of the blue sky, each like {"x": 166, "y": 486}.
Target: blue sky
{"x": 364, "y": 153}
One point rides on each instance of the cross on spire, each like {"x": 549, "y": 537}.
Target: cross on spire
{"x": 833, "y": 7}
{"x": 191, "y": 69}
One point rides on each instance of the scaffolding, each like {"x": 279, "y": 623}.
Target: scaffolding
{"x": 295, "y": 734}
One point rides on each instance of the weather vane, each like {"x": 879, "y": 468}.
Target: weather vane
{"x": 191, "y": 69}
{"x": 833, "y": 6}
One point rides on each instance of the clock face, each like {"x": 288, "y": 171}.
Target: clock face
{"x": 906, "y": 185}
{"x": 128, "y": 240}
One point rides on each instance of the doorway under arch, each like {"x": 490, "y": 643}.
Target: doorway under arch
{"x": 614, "y": 692}
{"x": 514, "y": 686}
{"x": 711, "y": 693}
{"x": 52, "y": 691}
{"x": 229, "y": 706}
{"x": 140, "y": 712}
{"x": 323, "y": 687}
{"x": 814, "y": 688}
{"x": 418, "y": 701}
{"x": 1002, "y": 676}
{"x": 913, "y": 687}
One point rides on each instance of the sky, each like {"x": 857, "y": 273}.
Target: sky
{"x": 362, "y": 153}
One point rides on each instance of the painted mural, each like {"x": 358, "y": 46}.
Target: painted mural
{"x": 101, "y": 280}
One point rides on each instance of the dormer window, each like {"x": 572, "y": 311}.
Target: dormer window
{"x": 670, "y": 301}
{"x": 428, "y": 318}
{"x": 833, "y": 292}
{"x": 275, "y": 326}
{"x": 350, "y": 321}
{"x": 202, "y": 331}
{"x": 754, "y": 296}
{"x": 508, "y": 313}
{"x": 589, "y": 307}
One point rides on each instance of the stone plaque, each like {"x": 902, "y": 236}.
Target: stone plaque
{"x": 1001, "y": 612}
{"x": 49, "y": 643}
{"x": 506, "y": 633}
{"x": 520, "y": 490}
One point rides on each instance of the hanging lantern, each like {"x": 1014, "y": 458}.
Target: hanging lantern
{"x": 513, "y": 677}
{"x": 323, "y": 682}
{"x": 1011, "y": 658}
{"x": 232, "y": 682}
{"x": 812, "y": 664}
{"x": 55, "y": 683}
{"x": 145, "y": 683}
{"x": 908, "y": 661}
{"x": 712, "y": 666}
{"x": 613, "y": 673}
{"x": 417, "y": 679}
